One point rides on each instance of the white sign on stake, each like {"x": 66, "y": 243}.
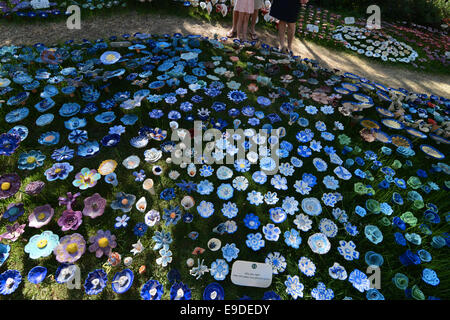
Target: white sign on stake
{"x": 251, "y": 274}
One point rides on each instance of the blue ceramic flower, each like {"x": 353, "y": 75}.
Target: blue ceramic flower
{"x": 271, "y": 232}
{"x": 123, "y": 202}
{"x": 152, "y": 290}
{"x": 251, "y": 221}
{"x": 139, "y": 229}
{"x": 95, "y": 282}
{"x": 8, "y": 143}
{"x": 294, "y": 287}
{"x": 292, "y": 238}
{"x": 122, "y": 281}
{"x": 213, "y": 291}
{"x": 337, "y": 272}
{"x": 219, "y": 269}
{"x": 180, "y": 291}
{"x": 41, "y": 245}
{"x": 255, "y": 241}
{"x": 225, "y": 191}
{"x": 9, "y": 281}
{"x": 277, "y": 261}
{"x": 30, "y": 160}
{"x": 49, "y": 138}
{"x": 37, "y": 274}
{"x": 13, "y": 212}
{"x": 172, "y": 215}
{"x": 89, "y": 149}
{"x": 359, "y": 280}
{"x": 205, "y": 209}
{"x": 4, "y": 253}
{"x": 230, "y": 210}
{"x": 321, "y": 292}
{"x": 230, "y": 252}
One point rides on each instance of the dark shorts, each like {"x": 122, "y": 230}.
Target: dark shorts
{"x": 285, "y": 10}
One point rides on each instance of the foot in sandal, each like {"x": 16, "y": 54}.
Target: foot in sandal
{"x": 231, "y": 34}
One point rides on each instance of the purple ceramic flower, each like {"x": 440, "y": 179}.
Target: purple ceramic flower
{"x": 40, "y": 216}
{"x": 70, "y": 248}
{"x": 102, "y": 243}
{"x": 69, "y": 200}
{"x": 34, "y": 188}
{"x": 70, "y": 220}
{"x": 9, "y": 185}
{"x": 94, "y": 206}
{"x": 13, "y": 232}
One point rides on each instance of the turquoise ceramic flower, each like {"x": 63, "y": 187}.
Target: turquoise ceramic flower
{"x": 31, "y": 160}
{"x": 42, "y": 245}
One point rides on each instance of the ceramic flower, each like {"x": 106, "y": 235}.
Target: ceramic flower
{"x": 94, "y": 206}
{"x": 70, "y": 220}
{"x": 31, "y": 160}
{"x": 13, "y": 212}
{"x": 86, "y": 178}
{"x": 41, "y": 216}
{"x": 13, "y": 232}
{"x": 58, "y": 171}
{"x": 152, "y": 290}
{"x": 70, "y": 248}
{"x": 102, "y": 243}
{"x": 9, "y": 185}
{"x": 95, "y": 282}
{"x": 41, "y": 245}
{"x": 123, "y": 202}
{"x": 9, "y": 281}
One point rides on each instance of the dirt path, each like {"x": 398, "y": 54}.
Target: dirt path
{"x": 131, "y": 22}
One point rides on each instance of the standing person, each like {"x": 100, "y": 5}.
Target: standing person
{"x": 233, "y": 32}
{"x": 244, "y": 8}
{"x": 287, "y": 12}
{"x": 258, "y": 6}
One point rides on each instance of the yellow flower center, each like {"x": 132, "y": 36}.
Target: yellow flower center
{"x": 41, "y": 216}
{"x": 5, "y": 186}
{"x": 173, "y": 215}
{"x": 49, "y": 138}
{"x": 58, "y": 170}
{"x": 72, "y": 248}
{"x": 103, "y": 242}
{"x": 124, "y": 202}
{"x": 110, "y": 57}
{"x": 31, "y": 159}
{"x": 42, "y": 243}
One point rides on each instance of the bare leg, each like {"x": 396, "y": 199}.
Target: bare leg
{"x": 245, "y": 17}
{"x": 254, "y": 17}
{"x": 233, "y": 30}
{"x": 240, "y": 23}
{"x": 281, "y": 34}
{"x": 290, "y": 35}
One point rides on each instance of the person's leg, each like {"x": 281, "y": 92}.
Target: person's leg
{"x": 245, "y": 17}
{"x": 282, "y": 34}
{"x": 233, "y": 30}
{"x": 240, "y": 23}
{"x": 290, "y": 34}
{"x": 253, "y": 25}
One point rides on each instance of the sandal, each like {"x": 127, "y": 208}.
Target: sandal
{"x": 232, "y": 34}
{"x": 254, "y": 36}
{"x": 284, "y": 50}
